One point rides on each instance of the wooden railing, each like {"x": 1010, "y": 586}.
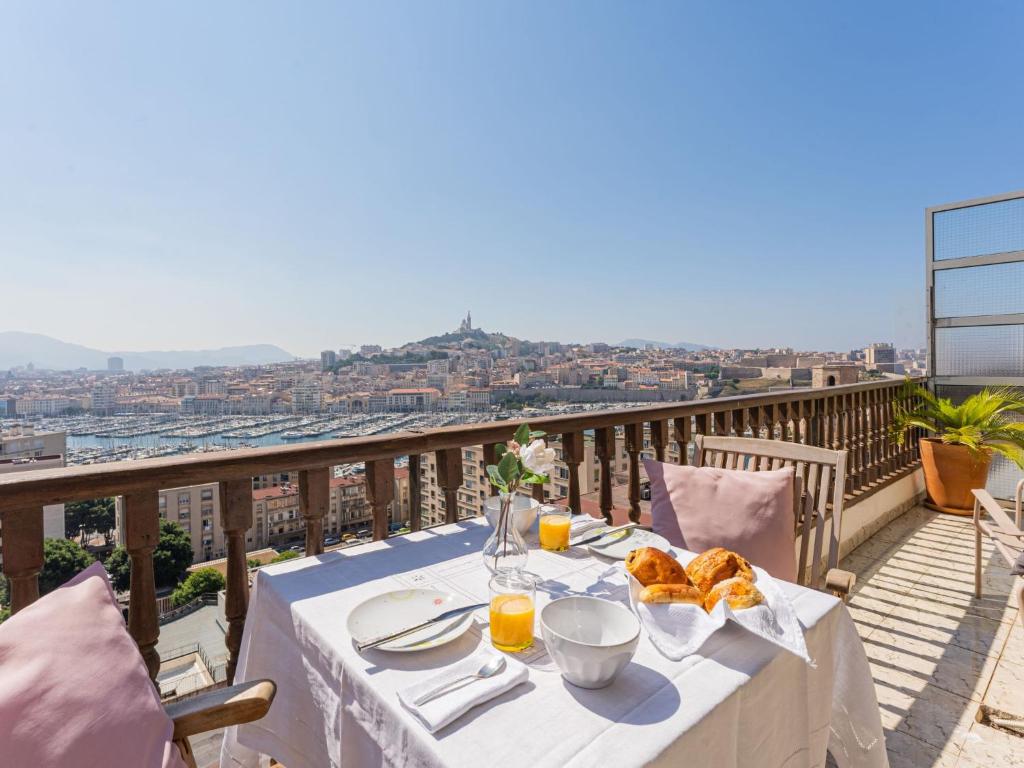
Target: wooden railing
{"x": 855, "y": 418}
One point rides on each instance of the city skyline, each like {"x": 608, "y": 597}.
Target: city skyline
{"x": 743, "y": 177}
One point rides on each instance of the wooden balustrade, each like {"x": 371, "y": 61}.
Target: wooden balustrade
{"x": 854, "y": 417}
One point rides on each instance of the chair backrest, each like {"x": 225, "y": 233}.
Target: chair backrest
{"x": 819, "y": 490}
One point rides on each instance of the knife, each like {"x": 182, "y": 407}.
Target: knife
{"x": 449, "y": 614}
{"x": 606, "y": 532}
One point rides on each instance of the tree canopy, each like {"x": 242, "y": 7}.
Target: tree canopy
{"x": 62, "y": 559}
{"x": 172, "y": 557}
{"x": 288, "y": 554}
{"x": 201, "y": 582}
{"x": 96, "y": 516}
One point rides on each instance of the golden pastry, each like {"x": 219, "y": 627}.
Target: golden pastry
{"x": 672, "y": 593}
{"x": 715, "y": 565}
{"x": 739, "y": 592}
{"x": 652, "y": 566}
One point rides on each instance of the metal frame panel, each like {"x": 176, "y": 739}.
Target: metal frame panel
{"x": 932, "y": 266}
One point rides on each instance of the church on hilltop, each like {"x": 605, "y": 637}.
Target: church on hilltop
{"x": 467, "y": 324}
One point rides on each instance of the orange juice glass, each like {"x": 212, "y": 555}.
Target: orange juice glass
{"x": 512, "y": 599}
{"x": 554, "y": 528}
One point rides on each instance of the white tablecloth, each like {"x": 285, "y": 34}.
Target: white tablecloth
{"x": 740, "y": 703}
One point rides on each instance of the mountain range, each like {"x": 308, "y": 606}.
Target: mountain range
{"x": 45, "y": 352}
{"x": 641, "y": 343}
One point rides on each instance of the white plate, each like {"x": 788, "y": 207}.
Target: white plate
{"x": 395, "y": 611}
{"x": 619, "y": 544}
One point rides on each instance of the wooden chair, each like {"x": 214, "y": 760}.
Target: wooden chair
{"x": 1005, "y": 534}
{"x": 818, "y": 498}
{"x": 220, "y": 708}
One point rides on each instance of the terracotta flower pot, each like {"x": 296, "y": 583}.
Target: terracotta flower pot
{"x": 950, "y": 472}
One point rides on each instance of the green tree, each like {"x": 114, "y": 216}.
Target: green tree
{"x": 172, "y": 557}
{"x": 201, "y": 582}
{"x": 62, "y": 559}
{"x": 252, "y": 562}
{"x": 286, "y": 555}
{"x": 95, "y": 516}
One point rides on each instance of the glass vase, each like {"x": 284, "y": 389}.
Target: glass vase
{"x": 505, "y": 549}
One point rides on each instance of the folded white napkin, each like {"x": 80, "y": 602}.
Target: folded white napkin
{"x": 680, "y": 629}
{"x": 455, "y": 702}
{"x": 581, "y": 524}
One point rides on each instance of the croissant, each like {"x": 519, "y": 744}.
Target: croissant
{"x": 738, "y": 592}
{"x": 652, "y": 566}
{"x": 671, "y": 593}
{"x": 715, "y": 565}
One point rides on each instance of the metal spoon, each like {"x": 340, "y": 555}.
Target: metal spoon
{"x": 490, "y": 669}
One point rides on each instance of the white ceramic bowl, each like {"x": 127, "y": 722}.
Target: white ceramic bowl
{"x": 524, "y": 509}
{"x": 590, "y": 639}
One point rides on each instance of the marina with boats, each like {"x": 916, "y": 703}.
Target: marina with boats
{"x": 95, "y": 439}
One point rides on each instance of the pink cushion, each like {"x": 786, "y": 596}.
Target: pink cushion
{"x": 73, "y": 687}
{"x": 748, "y": 512}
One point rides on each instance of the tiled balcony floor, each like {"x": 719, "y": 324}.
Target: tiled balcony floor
{"x": 936, "y": 651}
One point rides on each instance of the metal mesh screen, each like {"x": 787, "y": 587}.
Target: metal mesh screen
{"x": 980, "y": 350}
{"x": 997, "y": 289}
{"x": 979, "y": 230}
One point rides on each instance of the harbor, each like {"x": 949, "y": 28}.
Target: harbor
{"x": 95, "y": 439}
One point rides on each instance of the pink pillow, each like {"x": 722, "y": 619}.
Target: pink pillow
{"x": 748, "y": 512}
{"x": 73, "y": 687}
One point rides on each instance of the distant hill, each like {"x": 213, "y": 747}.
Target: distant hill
{"x": 19, "y": 349}
{"x": 641, "y": 343}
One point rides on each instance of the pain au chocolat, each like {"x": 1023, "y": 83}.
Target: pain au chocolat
{"x": 652, "y": 566}
{"x": 738, "y": 592}
{"x": 715, "y": 565}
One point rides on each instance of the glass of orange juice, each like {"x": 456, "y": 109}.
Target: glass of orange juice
{"x": 512, "y": 600}
{"x": 554, "y": 528}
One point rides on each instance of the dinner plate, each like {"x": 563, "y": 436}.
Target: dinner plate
{"x": 619, "y": 544}
{"x": 394, "y": 611}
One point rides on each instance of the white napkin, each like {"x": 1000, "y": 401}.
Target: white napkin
{"x": 439, "y": 712}
{"x": 581, "y": 524}
{"x": 679, "y": 629}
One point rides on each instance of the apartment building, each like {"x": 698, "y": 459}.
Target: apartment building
{"x": 104, "y": 398}
{"x": 277, "y": 515}
{"x": 44, "y": 406}
{"x": 307, "y": 396}
{"x": 880, "y": 357}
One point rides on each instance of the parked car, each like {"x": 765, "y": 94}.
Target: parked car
{"x": 330, "y": 541}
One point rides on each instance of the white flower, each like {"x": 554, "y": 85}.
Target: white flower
{"x": 537, "y": 457}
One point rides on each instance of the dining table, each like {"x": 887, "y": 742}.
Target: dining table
{"x": 739, "y": 702}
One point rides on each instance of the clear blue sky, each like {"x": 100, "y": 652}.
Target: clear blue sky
{"x": 313, "y": 174}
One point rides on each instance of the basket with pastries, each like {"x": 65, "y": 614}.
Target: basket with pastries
{"x": 714, "y": 575}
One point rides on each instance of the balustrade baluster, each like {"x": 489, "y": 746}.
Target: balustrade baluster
{"x": 739, "y": 421}
{"x": 720, "y": 423}
{"x": 236, "y": 519}
{"x": 572, "y": 455}
{"x": 449, "y": 478}
{"x": 415, "y": 492}
{"x": 604, "y": 447}
{"x": 701, "y": 422}
{"x": 380, "y": 492}
{"x": 142, "y": 534}
{"x": 22, "y": 533}
{"x": 634, "y": 443}
{"x": 314, "y": 504}
{"x": 684, "y": 432}
{"x": 659, "y": 437}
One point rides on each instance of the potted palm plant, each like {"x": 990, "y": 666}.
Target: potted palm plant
{"x": 963, "y": 438}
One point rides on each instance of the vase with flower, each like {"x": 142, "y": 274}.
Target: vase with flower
{"x": 524, "y": 460}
